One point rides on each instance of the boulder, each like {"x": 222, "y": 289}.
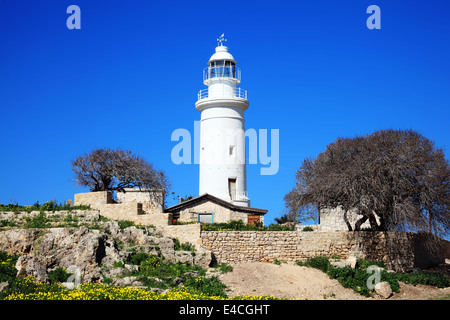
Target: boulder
{"x": 32, "y": 266}
{"x": 353, "y": 261}
{"x": 383, "y": 289}
{"x": 203, "y": 258}
{"x": 125, "y": 281}
{"x": 18, "y": 240}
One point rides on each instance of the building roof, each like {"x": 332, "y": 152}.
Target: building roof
{"x": 209, "y": 197}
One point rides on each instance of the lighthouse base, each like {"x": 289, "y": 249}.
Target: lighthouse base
{"x": 241, "y": 203}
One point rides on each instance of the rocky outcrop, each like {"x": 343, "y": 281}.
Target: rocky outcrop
{"x": 92, "y": 252}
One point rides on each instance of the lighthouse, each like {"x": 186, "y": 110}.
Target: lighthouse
{"x": 222, "y": 129}
{"x": 223, "y": 180}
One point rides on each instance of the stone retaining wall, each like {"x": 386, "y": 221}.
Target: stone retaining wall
{"x": 185, "y": 233}
{"x": 400, "y": 251}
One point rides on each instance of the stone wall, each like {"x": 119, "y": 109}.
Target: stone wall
{"x": 398, "y": 250}
{"x": 93, "y": 198}
{"x": 185, "y": 233}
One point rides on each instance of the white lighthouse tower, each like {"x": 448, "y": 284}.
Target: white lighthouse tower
{"x": 222, "y": 129}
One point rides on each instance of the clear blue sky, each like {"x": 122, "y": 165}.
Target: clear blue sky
{"x": 131, "y": 75}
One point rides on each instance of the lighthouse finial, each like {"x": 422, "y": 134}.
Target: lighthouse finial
{"x": 221, "y": 39}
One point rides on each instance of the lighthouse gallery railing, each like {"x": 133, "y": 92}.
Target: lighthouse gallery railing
{"x": 238, "y": 93}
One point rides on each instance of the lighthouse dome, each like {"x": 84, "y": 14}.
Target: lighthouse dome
{"x": 222, "y": 54}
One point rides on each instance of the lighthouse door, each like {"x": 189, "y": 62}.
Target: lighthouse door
{"x": 232, "y": 188}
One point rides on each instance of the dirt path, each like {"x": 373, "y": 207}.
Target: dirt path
{"x": 294, "y": 282}
{"x": 284, "y": 281}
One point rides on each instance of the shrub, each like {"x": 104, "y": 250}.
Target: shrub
{"x": 8, "y": 270}
{"x": 351, "y": 278}
{"x": 429, "y": 278}
{"x": 320, "y": 263}
{"x": 164, "y": 269}
{"x": 58, "y": 275}
{"x": 355, "y": 279}
{"x": 391, "y": 278}
{"x": 138, "y": 258}
{"x": 224, "y": 268}
{"x": 239, "y": 225}
{"x": 365, "y": 263}
{"x": 307, "y": 229}
{"x": 125, "y": 224}
{"x": 39, "y": 221}
{"x": 185, "y": 246}
{"x": 49, "y": 205}
{"x": 209, "y": 286}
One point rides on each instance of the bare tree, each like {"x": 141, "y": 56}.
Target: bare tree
{"x": 395, "y": 179}
{"x": 113, "y": 170}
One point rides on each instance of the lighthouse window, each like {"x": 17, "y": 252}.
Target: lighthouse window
{"x": 231, "y": 150}
{"x": 222, "y": 69}
{"x": 217, "y": 63}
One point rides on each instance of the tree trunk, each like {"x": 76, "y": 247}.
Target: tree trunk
{"x": 373, "y": 222}
{"x": 349, "y": 226}
{"x": 360, "y": 222}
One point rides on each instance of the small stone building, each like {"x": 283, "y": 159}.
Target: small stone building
{"x": 133, "y": 204}
{"x": 210, "y": 209}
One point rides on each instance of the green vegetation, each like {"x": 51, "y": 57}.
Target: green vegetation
{"x": 239, "y": 225}
{"x": 63, "y": 216}
{"x": 154, "y": 272}
{"x": 59, "y": 275}
{"x": 8, "y": 270}
{"x": 28, "y": 289}
{"x": 357, "y": 278}
{"x": 169, "y": 275}
{"x": 185, "y": 246}
{"x": 46, "y": 206}
{"x": 223, "y": 268}
{"x": 125, "y": 224}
